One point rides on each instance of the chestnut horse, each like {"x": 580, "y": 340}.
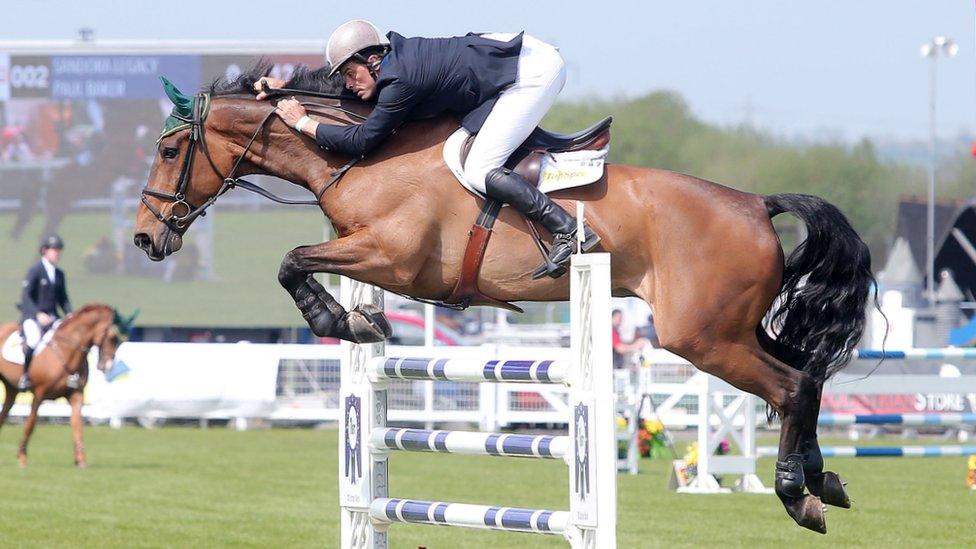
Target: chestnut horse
{"x": 66, "y": 354}
{"x": 703, "y": 255}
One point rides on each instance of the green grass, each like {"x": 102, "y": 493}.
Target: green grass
{"x": 184, "y": 487}
{"x": 248, "y": 249}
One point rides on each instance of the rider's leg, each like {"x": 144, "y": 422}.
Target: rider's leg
{"x": 31, "y": 333}
{"x": 518, "y": 110}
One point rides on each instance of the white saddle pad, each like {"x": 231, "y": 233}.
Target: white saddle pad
{"x": 559, "y": 171}
{"x": 13, "y": 350}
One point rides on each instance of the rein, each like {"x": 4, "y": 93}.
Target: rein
{"x": 201, "y": 107}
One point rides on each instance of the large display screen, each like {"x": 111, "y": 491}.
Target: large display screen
{"x": 77, "y": 136}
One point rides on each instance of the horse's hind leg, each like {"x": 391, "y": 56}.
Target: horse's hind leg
{"x": 790, "y": 392}
{"x": 325, "y": 316}
{"x": 826, "y": 485}
{"x": 10, "y": 395}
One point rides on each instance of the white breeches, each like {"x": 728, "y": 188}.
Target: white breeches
{"x": 32, "y": 333}
{"x": 519, "y": 108}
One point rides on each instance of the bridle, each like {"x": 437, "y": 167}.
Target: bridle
{"x": 177, "y": 223}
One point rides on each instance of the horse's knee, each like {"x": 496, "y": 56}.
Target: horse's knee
{"x": 290, "y": 273}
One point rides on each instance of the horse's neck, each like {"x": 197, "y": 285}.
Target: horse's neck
{"x": 381, "y": 180}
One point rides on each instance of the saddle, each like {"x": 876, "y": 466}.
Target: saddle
{"x": 526, "y": 161}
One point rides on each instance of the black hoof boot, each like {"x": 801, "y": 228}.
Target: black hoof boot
{"x": 808, "y": 511}
{"x": 315, "y": 312}
{"x": 829, "y": 487}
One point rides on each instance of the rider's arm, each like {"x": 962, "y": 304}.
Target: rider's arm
{"x": 27, "y": 304}
{"x": 63, "y": 300}
{"x": 394, "y": 103}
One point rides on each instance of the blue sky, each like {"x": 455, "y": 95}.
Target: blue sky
{"x": 813, "y": 69}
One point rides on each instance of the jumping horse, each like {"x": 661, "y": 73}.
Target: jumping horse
{"x": 705, "y": 256}
{"x": 60, "y": 369}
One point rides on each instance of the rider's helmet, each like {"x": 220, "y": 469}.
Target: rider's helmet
{"x": 52, "y": 241}
{"x": 350, "y": 40}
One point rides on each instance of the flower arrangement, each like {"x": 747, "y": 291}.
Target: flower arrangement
{"x": 651, "y": 441}
{"x": 971, "y": 474}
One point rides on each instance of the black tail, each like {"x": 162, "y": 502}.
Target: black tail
{"x": 826, "y": 285}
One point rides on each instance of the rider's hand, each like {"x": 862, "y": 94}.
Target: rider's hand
{"x": 291, "y": 111}
{"x": 273, "y": 83}
{"x": 44, "y": 319}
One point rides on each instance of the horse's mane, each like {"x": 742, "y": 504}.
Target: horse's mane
{"x": 92, "y": 307}
{"x": 304, "y": 78}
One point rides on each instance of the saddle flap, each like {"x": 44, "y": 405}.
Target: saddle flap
{"x": 13, "y": 350}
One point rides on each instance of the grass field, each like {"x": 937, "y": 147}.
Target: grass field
{"x": 184, "y": 487}
{"x": 248, "y": 248}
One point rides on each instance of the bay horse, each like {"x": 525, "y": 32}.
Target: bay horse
{"x": 705, "y": 256}
{"x": 66, "y": 354}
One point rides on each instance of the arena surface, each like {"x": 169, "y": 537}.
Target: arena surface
{"x": 188, "y": 487}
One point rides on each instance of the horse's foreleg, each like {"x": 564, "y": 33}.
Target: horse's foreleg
{"x": 28, "y": 429}
{"x": 325, "y": 316}
{"x": 76, "y": 399}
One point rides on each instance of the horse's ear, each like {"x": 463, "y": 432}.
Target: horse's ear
{"x": 182, "y": 104}
{"x": 131, "y": 319}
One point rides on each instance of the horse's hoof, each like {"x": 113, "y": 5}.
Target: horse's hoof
{"x": 81, "y": 464}
{"x": 367, "y": 324}
{"x": 830, "y": 489}
{"x": 808, "y": 512}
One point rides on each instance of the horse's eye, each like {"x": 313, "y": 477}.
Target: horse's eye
{"x": 170, "y": 152}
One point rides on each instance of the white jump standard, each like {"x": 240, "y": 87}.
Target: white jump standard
{"x": 590, "y": 450}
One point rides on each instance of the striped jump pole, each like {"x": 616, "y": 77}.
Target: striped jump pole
{"x": 512, "y": 519}
{"x": 884, "y": 451}
{"x": 458, "y": 369}
{"x": 472, "y": 444}
{"x": 589, "y": 450}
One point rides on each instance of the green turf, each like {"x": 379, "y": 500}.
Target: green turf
{"x": 248, "y": 247}
{"x": 183, "y": 487}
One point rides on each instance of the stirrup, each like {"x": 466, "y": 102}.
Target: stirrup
{"x": 24, "y": 384}
{"x": 563, "y": 246}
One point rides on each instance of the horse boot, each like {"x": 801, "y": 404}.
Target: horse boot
{"x": 24, "y": 384}
{"x": 826, "y": 485}
{"x": 806, "y": 510}
{"x": 511, "y": 188}
{"x": 364, "y": 324}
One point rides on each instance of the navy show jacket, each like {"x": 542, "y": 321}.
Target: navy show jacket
{"x": 424, "y": 77}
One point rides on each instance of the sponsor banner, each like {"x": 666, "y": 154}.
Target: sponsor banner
{"x": 898, "y": 404}
{"x": 120, "y": 76}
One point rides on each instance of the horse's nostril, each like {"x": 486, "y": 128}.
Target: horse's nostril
{"x": 141, "y": 240}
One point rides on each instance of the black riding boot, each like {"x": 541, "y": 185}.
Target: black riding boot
{"x": 512, "y": 189}
{"x": 24, "y": 384}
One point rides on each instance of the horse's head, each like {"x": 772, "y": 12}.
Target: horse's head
{"x": 110, "y": 330}
{"x": 186, "y": 175}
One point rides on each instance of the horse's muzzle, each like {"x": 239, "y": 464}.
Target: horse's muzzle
{"x": 172, "y": 243}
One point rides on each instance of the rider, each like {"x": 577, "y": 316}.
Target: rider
{"x": 500, "y": 85}
{"x": 44, "y": 291}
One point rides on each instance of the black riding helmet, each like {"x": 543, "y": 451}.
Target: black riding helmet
{"x": 52, "y": 241}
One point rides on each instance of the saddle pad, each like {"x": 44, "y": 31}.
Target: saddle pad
{"x": 559, "y": 171}
{"x": 13, "y": 350}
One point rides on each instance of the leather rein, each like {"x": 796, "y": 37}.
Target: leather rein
{"x": 201, "y": 107}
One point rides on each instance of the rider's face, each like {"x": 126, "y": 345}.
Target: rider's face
{"x": 53, "y": 255}
{"x": 359, "y": 80}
